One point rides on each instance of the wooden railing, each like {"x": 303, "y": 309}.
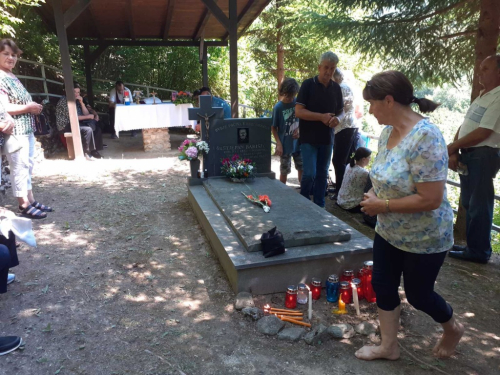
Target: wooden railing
{"x": 97, "y": 93}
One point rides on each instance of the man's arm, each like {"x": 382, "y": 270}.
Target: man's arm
{"x": 470, "y": 140}
{"x": 304, "y": 114}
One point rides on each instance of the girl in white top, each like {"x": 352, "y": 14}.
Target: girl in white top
{"x": 355, "y": 179}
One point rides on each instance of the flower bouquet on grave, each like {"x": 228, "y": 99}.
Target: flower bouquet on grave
{"x": 262, "y": 200}
{"x": 192, "y": 149}
{"x": 237, "y": 169}
{"x": 183, "y": 97}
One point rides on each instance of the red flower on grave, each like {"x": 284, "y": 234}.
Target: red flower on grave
{"x": 235, "y": 157}
{"x": 265, "y": 199}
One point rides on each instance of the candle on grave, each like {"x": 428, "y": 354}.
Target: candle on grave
{"x": 341, "y": 305}
{"x": 291, "y": 297}
{"x": 316, "y": 288}
{"x": 354, "y": 287}
{"x": 310, "y": 309}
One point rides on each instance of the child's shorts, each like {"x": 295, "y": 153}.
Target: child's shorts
{"x": 286, "y": 162}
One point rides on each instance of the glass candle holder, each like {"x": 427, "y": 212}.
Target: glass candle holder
{"x": 368, "y": 291}
{"x": 348, "y": 275}
{"x": 302, "y": 294}
{"x": 346, "y": 292}
{"x": 332, "y": 288}
{"x": 316, "y": 288}
{"x": 291, "y": 297}
{"x": 361, "y": 289}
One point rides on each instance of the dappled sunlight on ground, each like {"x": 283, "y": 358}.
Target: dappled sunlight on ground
{"x": 124, "y": 280}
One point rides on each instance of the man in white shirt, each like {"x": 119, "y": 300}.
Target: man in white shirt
{"x": 478, "y": 140}
{"x": 116, "y": 96}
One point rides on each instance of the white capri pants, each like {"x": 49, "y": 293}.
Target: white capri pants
{"x": 21, "y": 165}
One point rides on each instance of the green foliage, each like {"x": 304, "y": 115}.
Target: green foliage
{"x": 431, "y": 41}
{"x": 9, "y": 15}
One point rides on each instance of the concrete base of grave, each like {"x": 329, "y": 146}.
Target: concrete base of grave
{"x": 251, "y": 272}
{"x": 156, "y": 140}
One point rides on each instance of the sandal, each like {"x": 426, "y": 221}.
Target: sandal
{"x": 32, "y": 212}
{"x": 42, "y": 207}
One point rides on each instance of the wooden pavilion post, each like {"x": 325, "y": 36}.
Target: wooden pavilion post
{"x": 88, "y": 74}
{"x": 68, "y": 77}
{"x": 233, "y": 56}
{"x": 204, "y": 62}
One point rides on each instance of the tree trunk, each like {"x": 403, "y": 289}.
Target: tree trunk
{"x": 486, "y": 45}
{"x": 280, "y": 71}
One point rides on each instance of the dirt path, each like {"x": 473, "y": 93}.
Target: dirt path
{"x": 124, "y": 282}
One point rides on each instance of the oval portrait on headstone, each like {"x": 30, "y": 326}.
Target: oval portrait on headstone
{"x": 243, "y": 135}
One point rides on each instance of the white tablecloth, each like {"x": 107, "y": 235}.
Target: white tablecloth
{"x": 149, "y": 116}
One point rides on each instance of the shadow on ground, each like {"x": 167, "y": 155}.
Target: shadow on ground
{"x": 124, "y": 282}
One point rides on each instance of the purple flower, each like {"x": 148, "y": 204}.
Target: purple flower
{"x": 192, "y": 152}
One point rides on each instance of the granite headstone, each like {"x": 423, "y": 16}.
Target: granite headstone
{"x": 247, "y": 138}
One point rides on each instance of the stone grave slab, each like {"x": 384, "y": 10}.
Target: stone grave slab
{"x": 251, "y": 272}
{"x": 301, "y": 222}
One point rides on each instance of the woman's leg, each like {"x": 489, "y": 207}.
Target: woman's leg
{"x": 20, "y": 171}
{"x": 420, "y": 273}
{"x": 387, "y": 269}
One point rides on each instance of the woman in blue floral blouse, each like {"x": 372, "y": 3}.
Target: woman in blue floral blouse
{"x": 415, "y": 221}
{"x": 19, "y": 104}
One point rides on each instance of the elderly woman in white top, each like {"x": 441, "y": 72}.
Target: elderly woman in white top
{"x": 345, "y": 133}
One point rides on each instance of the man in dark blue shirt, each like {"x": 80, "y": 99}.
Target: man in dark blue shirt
{"x": 320, "y": 108}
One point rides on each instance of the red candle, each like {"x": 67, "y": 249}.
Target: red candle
{"x": 346, "y": 292}
{"x": 316, "y": 288}
{"x": 348, "y": 275}
{"x": 291, "y": 297}
{"x": 361, "y": 288}
{"x": 369, "y": 293}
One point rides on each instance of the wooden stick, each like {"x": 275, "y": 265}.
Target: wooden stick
{"x": 290, "y": 317}
{"x": 295, "y": 322}
{"x": 286, "y": 310}
{"x": 283, "y": 311}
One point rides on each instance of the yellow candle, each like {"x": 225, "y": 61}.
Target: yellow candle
{"x": 341, "y": 304}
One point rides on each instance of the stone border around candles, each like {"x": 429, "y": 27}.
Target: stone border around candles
{"x": 271, "y": 325}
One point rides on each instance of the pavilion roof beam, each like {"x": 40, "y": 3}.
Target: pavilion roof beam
{"x": 248, "y": 8}
{"x": 74, "y": 12}
{"x": 131, "y": 20}
{"x": 168, "y": 20}
{"x": 200, "y": 29}
{"x": 217, "y": 12}
{"x": 145, "y": 43}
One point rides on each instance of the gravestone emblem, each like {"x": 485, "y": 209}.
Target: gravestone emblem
{"x": 204, "y": 114}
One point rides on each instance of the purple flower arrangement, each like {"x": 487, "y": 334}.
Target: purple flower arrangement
{"x": 192, "y": 149}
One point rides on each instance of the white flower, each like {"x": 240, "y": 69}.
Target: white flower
{"x": 266, "y": 208}
{"x": 250, "y": 167}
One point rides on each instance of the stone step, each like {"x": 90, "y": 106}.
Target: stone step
{"x": 251, "y": 272}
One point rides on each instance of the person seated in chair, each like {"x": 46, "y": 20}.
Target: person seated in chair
{"x": 91, "y": 133}
{"x": 117, "y": 96}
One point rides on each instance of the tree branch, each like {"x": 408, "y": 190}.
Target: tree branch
{"x": 466, "y": 32}
{"x": 420, "y": 18}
